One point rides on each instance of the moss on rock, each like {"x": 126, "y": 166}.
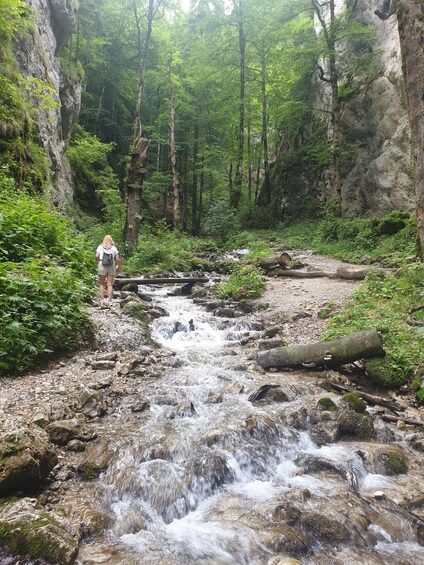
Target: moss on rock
{"x": 355, "y": 402}
{"x": 383, "y": 371}
{"x": 326, "y": 404}
{"x": 354, "y": 425}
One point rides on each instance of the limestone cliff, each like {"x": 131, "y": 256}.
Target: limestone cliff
{"x": 38, "y": 58}
{"x": 380, "y": 178}
{"x": 376, "y": 172}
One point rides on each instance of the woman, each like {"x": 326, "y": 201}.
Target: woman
{"x": 106, "y": 257}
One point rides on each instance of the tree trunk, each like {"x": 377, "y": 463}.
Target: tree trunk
{"x": 194, "y": 210}
{"x": 283, "y": 259}
{"x": 329, "y": 31}
{"x": 411, "y": 31}
{"x": 176, "y": 212}
{"x": 267, "y": 181}
{"x": 135, "y": 178}
{"x": 140, "y": 146}
{"x": 235, "y": 194}
{"x": 359, "y": 345}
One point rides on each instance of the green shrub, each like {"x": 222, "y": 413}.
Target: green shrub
{"x": 46, "y": 274}
{"x": 384, "y": 304}
{"x": 160, "y": 249}
{"x": 244, "y": 282}
{"x": 221, "y": 222}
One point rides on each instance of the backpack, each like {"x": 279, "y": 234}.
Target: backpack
{"x": 107, "y": 258}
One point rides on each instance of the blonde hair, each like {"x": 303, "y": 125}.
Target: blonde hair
{"x": 107, "y": 242}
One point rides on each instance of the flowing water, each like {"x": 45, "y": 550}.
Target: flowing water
{"x": 209, "y": 477}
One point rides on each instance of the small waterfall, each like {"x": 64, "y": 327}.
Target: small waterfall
{"x": 205, "y": 476}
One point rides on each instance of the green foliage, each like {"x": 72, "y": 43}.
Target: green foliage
{"x": 221, "y": 222}
{"x": 244, "y": 282}
{"x": 95, "y": 181}
{"x": 388, "y": 239}
{"x": 46, "y": 274}
{"x": 384, "y": 304}
{"x": 160, "y": 249}
{"x": 251, "y": 240}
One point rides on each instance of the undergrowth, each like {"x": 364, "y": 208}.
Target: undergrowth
{"x": 46, "y": 275}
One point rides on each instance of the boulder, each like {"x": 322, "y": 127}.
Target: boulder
{"x": 92, "y": 403}
{"x": 26, "y": 457}
{"x": 63, "y": 431}
{"x": 26, "y": 528}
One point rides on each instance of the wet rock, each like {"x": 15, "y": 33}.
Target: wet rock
{"x": 283, "y": 560}
{"x": 41, "y": 419}
{"x": 103, "y": 365}
{"x": 265, "y": 344}
{"x": 157, "y": 312}
{"x": 26, "y": 457}
{"x": 92, "y": 403}
{"x": 326, "y": 404}
{"x": 139, "y": 407}
{"x": 97, "y": 457}
{"x": 323, "y": 434}
{"x": 215, "y": 397}
{"x": 270, "y": 392}
{"x": 321, "y": 528}
{"x": 183, "y": 411}
{"x": 285, "y": 538}
{"x": 226, "y": 312}
{"x": 245, "y": 306}
{"x": 355, "y": 402}
{"x": 63, "y": 431}
{"x": 386, "y": 460}
{"x": 28, "y": 529}
{"x": 235, "y": 388}
{"x": 354, "y": 425}
{"x": 75, "y": 445}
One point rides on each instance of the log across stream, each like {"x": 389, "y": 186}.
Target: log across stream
{"x": 208, "y": 477}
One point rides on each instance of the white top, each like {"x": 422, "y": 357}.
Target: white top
{"x": 100, "y": 250}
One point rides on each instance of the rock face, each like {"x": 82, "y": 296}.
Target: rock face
{"x": 37, "y": 55}
{"x": 380, "y": 178}
{"x": 376, "y": 173}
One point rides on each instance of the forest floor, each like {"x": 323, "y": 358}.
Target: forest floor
{"x": 298, "y": 302}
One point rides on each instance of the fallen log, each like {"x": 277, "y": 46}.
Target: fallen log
{"x": 120, "y": 282}
{"x": 304, "y": 274}
{"x": 412, "y": 321}
{"x": 359, "y": 274}
{"x": 359, "y": 345}
{"x": 410, "y": 421}
{"x": 369, "y": 398}
{"x": 282, "y": 260}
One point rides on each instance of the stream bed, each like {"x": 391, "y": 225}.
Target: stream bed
{"x": 206, "y": 476}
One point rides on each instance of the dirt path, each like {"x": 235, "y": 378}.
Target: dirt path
{"x": 298, "y": 302}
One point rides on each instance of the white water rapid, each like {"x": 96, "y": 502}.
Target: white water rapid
{"x": 212, "y": 478}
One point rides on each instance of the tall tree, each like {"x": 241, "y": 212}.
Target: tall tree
{"x": 176, "y": 212}
{"x": 325, "y": 12}
{"x": 411, "y": 29}
{"x": 235, "y": 194}
{"x": 140, "y": 145}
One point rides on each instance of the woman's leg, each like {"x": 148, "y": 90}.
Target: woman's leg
{"x": 102, "y": 280}
{"x": 110, "y": 279}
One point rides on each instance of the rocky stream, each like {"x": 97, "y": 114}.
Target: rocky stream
{"x": 153, "y": 448}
